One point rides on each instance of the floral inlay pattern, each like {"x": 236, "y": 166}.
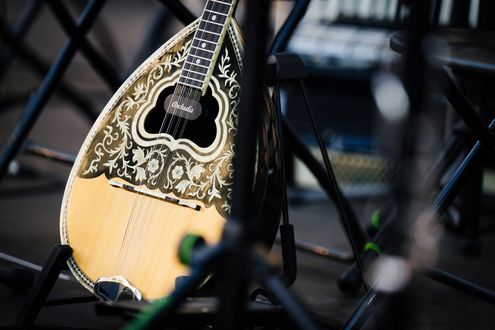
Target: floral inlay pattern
{"x": 116, "y": 154}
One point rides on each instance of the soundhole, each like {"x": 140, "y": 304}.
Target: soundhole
{"x": 201, "y": 131}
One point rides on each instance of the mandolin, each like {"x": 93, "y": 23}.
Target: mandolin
{"x": 157, "y": 164}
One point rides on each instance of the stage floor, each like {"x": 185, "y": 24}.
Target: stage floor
{"x": 29, "y": 228}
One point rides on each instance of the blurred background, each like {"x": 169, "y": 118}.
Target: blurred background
{"x": 344, "y": 45}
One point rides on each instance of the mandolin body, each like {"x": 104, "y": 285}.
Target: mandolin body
{"x": 182, "y": 182}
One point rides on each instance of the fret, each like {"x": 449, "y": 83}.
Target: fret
{"x": 197, "y": 40}
{"x": 201, "y": 54}
{"x": 213, "y": 18}
{"x": 202, "y": 66}
{"x": 190, "y": 83}
{"x": 210, "y": 32}
{"x": 195, "y": 73}
{"x": 203, "y": 49}
{"x": 204, "y": 45}
{"x": 192, "y": 78}
{"x": 194, "y": 68}
{"x": 205, "y": 35}
{"x": 224, "y": 2}
{"x": 222, "y": 15}
{"x": 218, "y": 7}
{"x": 199, "y": 60}
{"x": 211, "y": 22}
{"x": 210, "y": 27}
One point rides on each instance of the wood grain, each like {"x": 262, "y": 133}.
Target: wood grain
{"x": 117, "y": 232}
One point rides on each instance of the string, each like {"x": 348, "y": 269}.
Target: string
{"x": 179, "y": 123}
{"x": 137, "y": 199}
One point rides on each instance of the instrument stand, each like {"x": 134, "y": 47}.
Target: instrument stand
{"x": 14, "y": 45}
{"x": 52, "y": 76}
{"x": 466, "y": 180}
{"x": 76, "y": 41}
{"x": 204, "y": 260}
{"x": 200, "y": 259}
{"x": 235, "y": 260}
{"x": 37, "y": 296}
{"x": 284, "y": 70}
{"x": 471, "y": 163}
{"x": 289, "y": 68}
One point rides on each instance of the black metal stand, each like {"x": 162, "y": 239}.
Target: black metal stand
{"x": 392, "y": 306}
{"x": 443, "y": 201}
{"x": 286, "y": 68}
{"x": 234, "y": 259}
{"x": 237, "y": 240}
{"x": 38, "y": 101}
{"x": 465, "y": 183}
{"x": 15, "y": 46}
{"x": 38, "y": 294}
{"x": 16, "y": 143}
{"x": 100, "y": 64}
{"x": 19, "y": 31}
{"x": 349, "y": 222}
{"x": 55, "y": 263}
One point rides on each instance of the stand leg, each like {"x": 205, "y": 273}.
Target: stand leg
{"x": 156, "y": 316}
{"x": 100, "y": 64}
{"x": 55, "y": 263}
{"x": 20, "y": 29}
{"x": 40, "y": 68}
{"x": 461, "y": 284}
{"x": 280, "y": 292}
{"x": 362, "y": 311}
{"x": 470, "y": 211}
{"x": 299, "y": 149}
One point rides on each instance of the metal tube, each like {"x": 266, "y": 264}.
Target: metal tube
{"x": 33, "y": 60}
{"x": 99, "y": 63}
{"x": 38, "y": 101}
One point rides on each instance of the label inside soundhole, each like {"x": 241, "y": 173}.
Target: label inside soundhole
{"x": 182, "y": 107}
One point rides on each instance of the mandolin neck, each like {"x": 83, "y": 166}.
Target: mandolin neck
{"x": 206, "y": 44}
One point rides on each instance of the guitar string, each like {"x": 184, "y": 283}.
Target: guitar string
{"x": 182, "y": 130}
{"x": 180, "y": 124}
{"x": 158, "y": 180}
{"x": 137, "y": 200}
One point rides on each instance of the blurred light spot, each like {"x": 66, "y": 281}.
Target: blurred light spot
{"x": 390, "y": 274}
{"x": 390, "y": 97}
{"x": 426, "y": 233}
{"x": 14, "y": 168}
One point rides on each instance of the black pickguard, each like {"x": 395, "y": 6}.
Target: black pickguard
{"x": 202, "y": 131}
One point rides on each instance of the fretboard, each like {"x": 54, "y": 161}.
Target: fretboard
{"x": 206, "y": 44}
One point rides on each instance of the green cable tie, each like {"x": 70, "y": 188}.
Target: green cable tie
{"x": 186, "y": 248}
{"x": 373, "y": 247}
{"x": 375, "y": 220}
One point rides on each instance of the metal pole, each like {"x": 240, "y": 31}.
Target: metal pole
{"x": 38, "y": 101}
{"x": 233, "y": 295}
{"x": 100, "y": 64}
